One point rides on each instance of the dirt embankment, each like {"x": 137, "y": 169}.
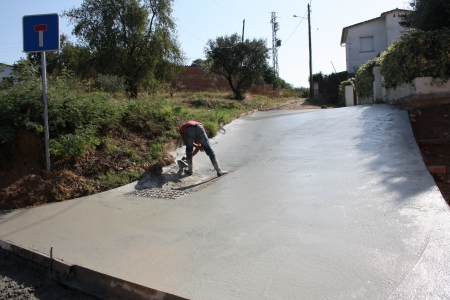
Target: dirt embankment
{"x": 431, "y": 128}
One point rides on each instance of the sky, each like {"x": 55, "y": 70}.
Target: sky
{"x": 200, "y": 20}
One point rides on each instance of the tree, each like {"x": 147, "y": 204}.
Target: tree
{"x": 75, "y": 58}
{"x": 427, "y": 15}
{"x": 198, "y": 63}
{"x": 135, "y": 39}
{"x": 242, "y": 64}
{"x": 270, "y": 77}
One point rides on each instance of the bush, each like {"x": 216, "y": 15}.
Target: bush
{"x": 21, "y": 104}
{"x": 417, "y": 54}
{"x": 364, "y": 79}
{"x": 75, "y": 145}
{"x": 153, "y": 117}
{"x": 110, "y": 83}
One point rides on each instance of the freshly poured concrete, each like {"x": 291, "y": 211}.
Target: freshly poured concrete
{"x": 326, "y": 204}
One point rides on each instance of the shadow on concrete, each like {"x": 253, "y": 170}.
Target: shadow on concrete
{"x": 392, "y": 154}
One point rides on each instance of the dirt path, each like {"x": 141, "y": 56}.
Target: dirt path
{"x": 294, "y": 104}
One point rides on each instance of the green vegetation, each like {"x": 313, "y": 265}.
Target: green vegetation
{"x": 427, "y": 15}
{"x": 132, "y": 39}
{"x": 270, "y": 77}
{"x": 417, "y": 54}
{"x": 364, "y": 79}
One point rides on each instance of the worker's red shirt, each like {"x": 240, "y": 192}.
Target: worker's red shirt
{"x": 186, "y": 125}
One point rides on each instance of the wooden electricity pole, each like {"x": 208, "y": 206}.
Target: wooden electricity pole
{"x": 243, "y": 29}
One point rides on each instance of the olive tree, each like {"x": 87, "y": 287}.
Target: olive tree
{"x": 242, "y": 64}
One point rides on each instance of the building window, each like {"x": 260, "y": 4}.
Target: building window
{"x": 366, "y": 44}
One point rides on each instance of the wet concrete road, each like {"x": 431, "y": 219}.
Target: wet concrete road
{"x": 326, "y": 204}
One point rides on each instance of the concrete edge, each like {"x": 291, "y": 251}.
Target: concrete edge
{"x": 41, "y": 259}
{"x": 89, "y": 281}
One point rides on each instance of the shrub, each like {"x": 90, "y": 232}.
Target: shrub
{"x": 417, "y": 54}
{"x": 75, "y": 145}
{"x": 364, "y": 79}
{"x": 110, "y": 83}
{"x": 153, "y": 117}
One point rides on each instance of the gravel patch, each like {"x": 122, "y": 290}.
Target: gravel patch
{"x": 159, "y": 193}
{"x": 21, "y": 279}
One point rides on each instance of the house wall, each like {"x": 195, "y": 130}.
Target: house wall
{"x": 420, "y": 86}
{"x": 5, "y": 70}
{"x": 384, "y": 30}
{"x": 393, "y": 29}
{"x": 390, "y": 96}
{"x": 356, "y": 58}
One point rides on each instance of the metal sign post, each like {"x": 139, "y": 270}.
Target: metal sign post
{"x": 41, "y": 34}
{"x": 44, "y": 96}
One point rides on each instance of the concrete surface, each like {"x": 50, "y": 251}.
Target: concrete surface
{"x": 327, "y": 204}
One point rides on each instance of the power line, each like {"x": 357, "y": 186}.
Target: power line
{"x": 222, "y": 7}
{"x": 295, "y": 28}
{"x": 190, "y": 33}
{"x": 326, "y": 50}
{"x": 234, "y": 9}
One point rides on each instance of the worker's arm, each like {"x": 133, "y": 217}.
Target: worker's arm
{"x": 198, "y": 147}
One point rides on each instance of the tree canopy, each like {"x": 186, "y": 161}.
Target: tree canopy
{"x": 270, "y": 77}
{"x": 427, "y": 15}
{"x": 134, "y": 39}
{"x": 242, "y": 64}
{"x": 75, "y": 58}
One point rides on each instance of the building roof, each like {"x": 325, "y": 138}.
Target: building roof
{"x": 382, "y": 16}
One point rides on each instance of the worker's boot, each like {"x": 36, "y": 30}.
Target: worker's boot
{"x": 189, "y": 169}
{"x": 217, "y": 167}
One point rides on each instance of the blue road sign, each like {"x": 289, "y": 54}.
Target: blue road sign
{"x": 40, "y": 33}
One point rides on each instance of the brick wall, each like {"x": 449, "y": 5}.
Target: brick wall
{"x": 194, "y": 79}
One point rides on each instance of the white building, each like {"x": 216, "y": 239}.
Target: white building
{"x": 5, "y": 71}
{"x": 366, "y": 40}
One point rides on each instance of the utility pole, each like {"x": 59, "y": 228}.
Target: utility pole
{"x": 311, "y": 81}
{"x": 243, "y": 29}
{"x": 275, "y": 42}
